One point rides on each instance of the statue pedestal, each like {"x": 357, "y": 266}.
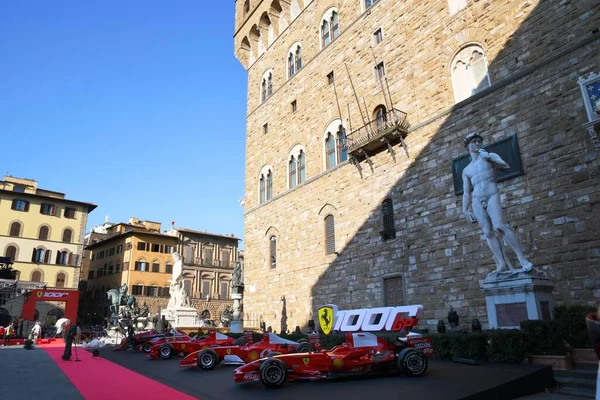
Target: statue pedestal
{"x": 181, "y": 316}
{"x": 513, "y": 297}
{"x": 235, "y": 326}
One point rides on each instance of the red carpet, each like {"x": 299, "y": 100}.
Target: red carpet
{"x": 97, "y": 378}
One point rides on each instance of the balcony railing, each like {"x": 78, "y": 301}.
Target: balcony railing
{"x": 384, "y": 132}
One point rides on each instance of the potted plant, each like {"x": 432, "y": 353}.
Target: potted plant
{"x": 546, "y": 344}
{"x": 572, "y": 324}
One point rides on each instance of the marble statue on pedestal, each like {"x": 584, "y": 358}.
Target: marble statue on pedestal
{"x": 179, "y": 296}
{"x": 237, "y": 290}
{"x": 481, "y": 192}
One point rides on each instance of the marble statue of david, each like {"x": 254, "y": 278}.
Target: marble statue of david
{"x": 481, "y": 192}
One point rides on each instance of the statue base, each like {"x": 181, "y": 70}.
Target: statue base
{"x": 236, "y": 327}
{"x": 182, "y": 317}
{"x": 515, "y": 296}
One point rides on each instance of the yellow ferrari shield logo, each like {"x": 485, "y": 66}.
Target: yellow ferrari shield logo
{"x": 40, "y": 294}
{"x": 183, "y": 346}
{"x": 327, "y": 315}
{"x": 305, "y": 360}
{"x": 228, "y": 351}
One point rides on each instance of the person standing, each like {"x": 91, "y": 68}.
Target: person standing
{"x": 70, "y": 336}
{"x": 36, "y": 331}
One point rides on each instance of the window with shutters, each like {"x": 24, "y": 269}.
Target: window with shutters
{"x": 20, "y": 205}
{"x": 141, "y": 266}
{"x": 394, "y": 291}
{"x": 36, "y": 276}
{"x": 225, "y": 258}
{"x": 11, "y": 252}
{"x": 389, "y": 226}
{"x": 111, "y": 269}
{"x": 137, "y": 290}
{"x": 43, "y": 233}
{"x": 224, "y": 294}
{"x": 153, "y": 291}
{"x": 119, "y": 249}
{"x": 188, "y": 254}
{"x": 38, "y": 256}
{"x": 329, "y": 234}
{"x": 15, "y": 229}
{"x": 69, "y": 212}
{"x": 62, "y": 258}
{"x": 118, "y": 267}
{"x": 205, "y": 289}
{"x": 67, "y": 236}
{"x": 47, "y": 209}
{"x": 155, "y": 248}
{"x": 273, "y": 251}
{"x": 469, "y": 72}
{"x": 155, "y": 267}
{"x": 60, "y": 280}
{"x": 141, "y": 246}
{"x": 208, "y": 256}
{"x": 169, "y": 269}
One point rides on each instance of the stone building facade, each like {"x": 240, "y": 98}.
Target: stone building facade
{"x": 317, "y": 215}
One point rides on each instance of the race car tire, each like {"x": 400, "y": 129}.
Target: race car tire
{"x": 273, "y": 373}
{"x": 207, "y": 359}
{"x": 146, "y": 347}
{"x": 303, "y": 340}
{"x": 305, "y": 348}
{"x": 165, "y": 351}
{"x": 411, "y": 362}
{"x": 239, "y": 342}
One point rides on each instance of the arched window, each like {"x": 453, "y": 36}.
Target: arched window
{"x": 11, "y": 252}
{"x": 36, "y": 276}
{"x": 62, "y": 258}
{"x": 38, "y": 256}
{"x": 294, "y": 59}
{"x": 265, "y": 184}
{"x": 293, "y": 173}
{"x": 15, "y": 229}
{"x": 380, "y": 117}
{"x": 67, "y": 236}
{"x": 330, "y": 28}
{"x": 329, "y": 234}
{"x": 43, "y": 234}
{"x": 266, "y": 86}
{"x": 335, "y": 144}
{"x": 60, "y": 280}
{"x": 273, "y": 251}
{"x": 469, "y": 72}
{"x": 246, "y": 7}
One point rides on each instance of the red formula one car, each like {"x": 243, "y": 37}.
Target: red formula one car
{"x": 173, "y": 335}
{"x": 270, "y": 343}
{"x": 362, "y": 354}
{"x": 165, "y": 349}
{"x": 143, "y": 337}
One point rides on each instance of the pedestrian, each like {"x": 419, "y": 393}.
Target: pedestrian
{"x": 3, "y": 334}
{"x": 70, "y": 336}
{"x": 8, "y": 333}
{"x": 61, "y": 326}
{"x": 36, "y": 332}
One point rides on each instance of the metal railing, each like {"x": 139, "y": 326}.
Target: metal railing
{"x": 392, "y": 120}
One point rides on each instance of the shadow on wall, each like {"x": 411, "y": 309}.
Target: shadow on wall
{"x": 439, "y": 256}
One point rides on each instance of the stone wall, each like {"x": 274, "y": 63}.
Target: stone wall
{"x": 535, "y": 51}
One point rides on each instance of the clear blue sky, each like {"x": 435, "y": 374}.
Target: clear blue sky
{"x": 136, "y": 106}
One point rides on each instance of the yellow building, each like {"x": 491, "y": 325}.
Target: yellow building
{"x": 42, "y": 232}
{"x": 133, "y": 253}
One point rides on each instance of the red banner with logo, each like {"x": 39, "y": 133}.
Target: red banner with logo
{"x": 70, "y": 297}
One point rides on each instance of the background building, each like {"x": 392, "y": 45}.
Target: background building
{"x": 42, "y": 232}
{"x": 357, "y": 110}
{"x": 139, "y": 255}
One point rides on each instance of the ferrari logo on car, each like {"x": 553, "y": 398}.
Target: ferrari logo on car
{"x": 326, "y": 317}
{"x": 338, "y": 362}
{"x": 305, "y": 360}
{"x": 183, "y": 345}
{"x": 228, "y": 351}
{"x": 40, "y": 294}
{"x": 253, "y": 355}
